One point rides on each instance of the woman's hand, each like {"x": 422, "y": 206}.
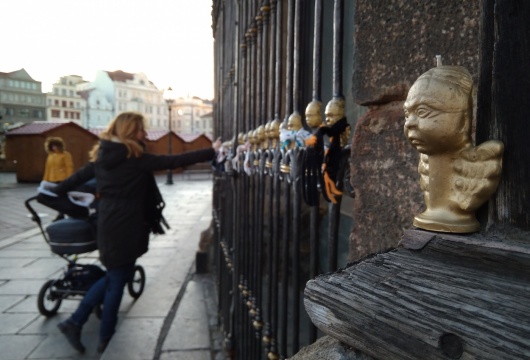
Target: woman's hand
{"x": 217, "y": 144}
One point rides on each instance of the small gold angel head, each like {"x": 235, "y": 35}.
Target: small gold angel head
{"x": 251, "y": 138}
{"x": 295, "y": 121}
{"x": 241, "y": 138}
{"x": 267, "y": 128}
{"x": 439, "y": 109}
{"x": 274, "y": 133}
{"x": 313, "y": 116}
{"x": 334, "y": 110}
{"x": 260, "y": 135}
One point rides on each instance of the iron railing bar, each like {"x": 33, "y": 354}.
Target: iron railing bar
{"x": 297, "y": 199}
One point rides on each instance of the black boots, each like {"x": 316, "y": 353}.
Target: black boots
{"x": 72, "y": 333}
{"x": 102, "y": 345}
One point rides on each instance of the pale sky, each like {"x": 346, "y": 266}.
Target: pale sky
{"x": 170, "y": 41}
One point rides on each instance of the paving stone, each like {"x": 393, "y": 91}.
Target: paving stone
{"x": 135, "y": 339}
{"x": 27, "y": 273}
{"x": 56, "y": 346}
{"x": 190, "y": 328}
{"x": 21, "y": 287}
{"x": 15, "y": 262}
{"x": 8, "y": 301}
{"x": 186, "y": 355}
{"x": 10, "y": 253}
{"x": 14, "y": 323}
{"x": 16, "y": 347}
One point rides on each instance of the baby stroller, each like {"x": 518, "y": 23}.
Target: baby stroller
{"x": 68, "y": 238}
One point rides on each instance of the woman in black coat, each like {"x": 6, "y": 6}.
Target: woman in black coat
{"x": 125, "y": 189}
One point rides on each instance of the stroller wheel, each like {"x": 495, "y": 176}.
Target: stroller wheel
{"x": 48, "y": 301}
{"x": 137, "y": 283}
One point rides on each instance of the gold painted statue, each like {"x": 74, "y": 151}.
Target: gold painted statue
{"x": 313, "y": 117}
{"x": 334, "y": 112}
{"x": 267, "y": 133}
{"x": 455, "y": 176}
{"x": 294, "y": 122}
{"x": 321, "y": 166}
{"x": 293, "y": 135}
{"x": 262, "y": 137}
{"x": 274, "y": 132}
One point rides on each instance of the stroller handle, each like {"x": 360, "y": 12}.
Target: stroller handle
{"x": 34, "y": 216}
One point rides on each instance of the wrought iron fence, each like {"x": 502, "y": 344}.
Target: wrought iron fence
{"x": 269, "y": 247}
{"x": 279, "y": 183}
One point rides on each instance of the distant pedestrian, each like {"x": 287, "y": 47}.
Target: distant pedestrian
{"x": 59, "y": 164}
{"x": 128, "y": 212}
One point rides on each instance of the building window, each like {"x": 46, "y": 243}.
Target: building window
{"x": 23, "y": 113}
{"x": 63, "y": 103}
{"x": 56, "y": 114}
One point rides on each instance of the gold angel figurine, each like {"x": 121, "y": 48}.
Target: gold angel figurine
{"x": 455, "y": 176}
{"x": 274, "y": 133}
{"x": 320, "y": 165}
{"x": 313, "y": 117}
{"x": 294, "y": 134}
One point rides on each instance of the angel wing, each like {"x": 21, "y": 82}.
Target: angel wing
{"x": 477, "y": 174}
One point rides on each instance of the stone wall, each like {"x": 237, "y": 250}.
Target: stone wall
{"x": 395, "y": 42}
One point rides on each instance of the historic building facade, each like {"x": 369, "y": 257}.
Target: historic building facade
{"x": 93, "y": 104}
{"x": 63, "y": 103}
{"x": 192, "y": 115}
{"x": 113, "y": 92}
{"x": 21, "y": 99}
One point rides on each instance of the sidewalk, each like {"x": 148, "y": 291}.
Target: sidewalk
{"x": 174, "y": 318}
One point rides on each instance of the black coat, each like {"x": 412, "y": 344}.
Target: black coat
{"x": 122, "y": 186}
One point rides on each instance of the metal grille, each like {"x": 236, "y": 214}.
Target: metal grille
{"x": 271, "y": 218}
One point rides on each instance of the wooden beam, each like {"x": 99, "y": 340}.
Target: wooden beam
{"x": 455, "y": 297}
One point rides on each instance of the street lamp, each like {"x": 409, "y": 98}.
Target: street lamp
{"x": 168, "y": 95}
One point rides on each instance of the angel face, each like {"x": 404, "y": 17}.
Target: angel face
{"x": 251, "y": 136}
{"x": 334, "y": 111}
{"x": 260, "y": 134}
{"x": 312, "y": 114}
{"x": 294, "y": 122}
{"x": 274, "y": 132}
{"x": 436, "y": 118}
{"x": 267, "y": 129}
